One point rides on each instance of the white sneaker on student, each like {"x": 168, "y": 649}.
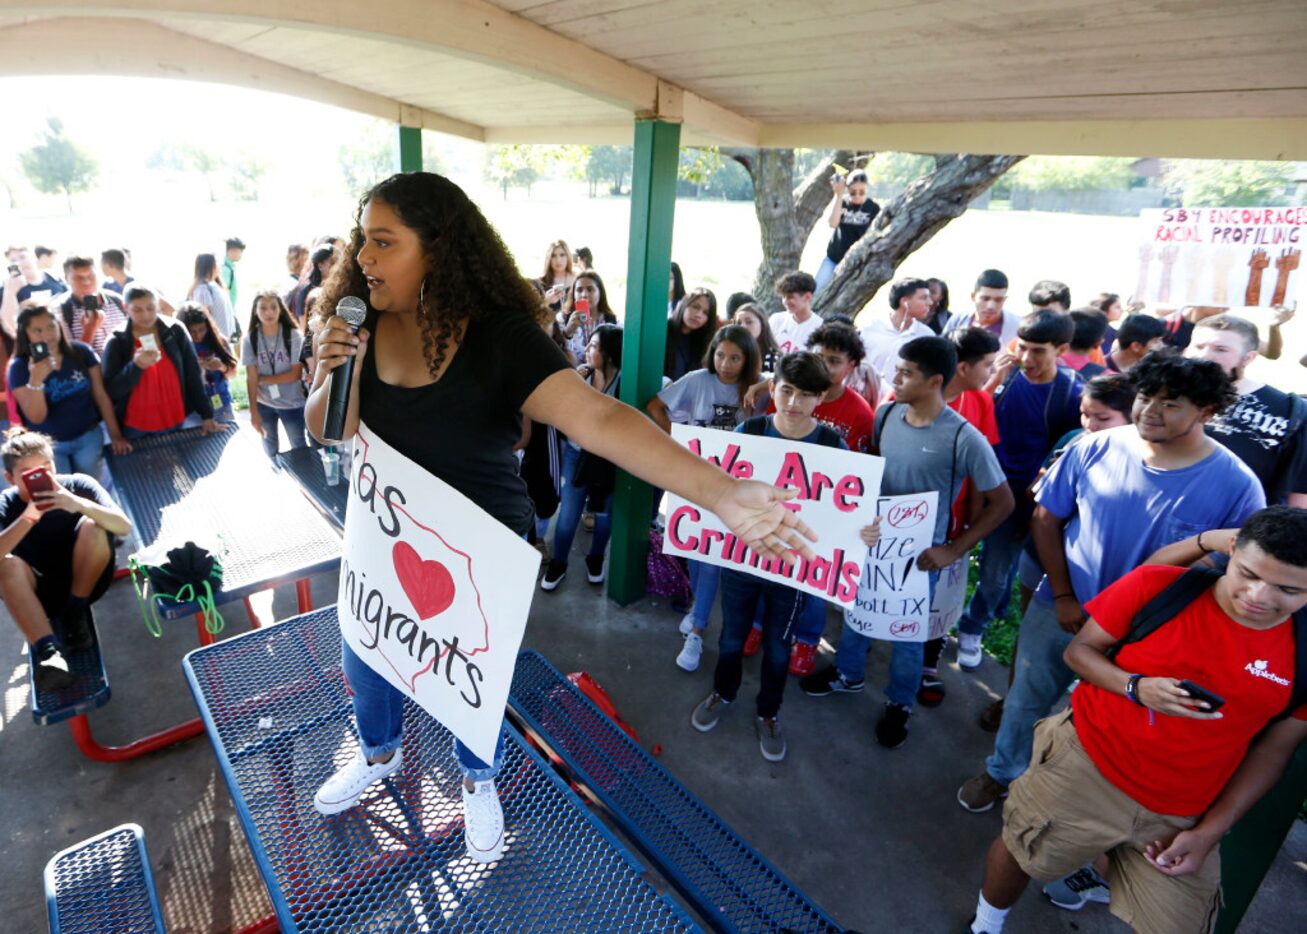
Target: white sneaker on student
{"x": 690, "y": 652}
{"x": 969, "y": 651}
{"x": 483, "y": 822}
{"x": 687, "y": 624}
{"x": 343, "y": 790}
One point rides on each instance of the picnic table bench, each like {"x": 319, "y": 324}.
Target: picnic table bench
{"x": 725, "y": 880}
{"x": 103, "y": 886}
{"x": 275, "y": 706}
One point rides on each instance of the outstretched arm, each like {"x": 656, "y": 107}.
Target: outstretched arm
{"x": 600, "y": 424}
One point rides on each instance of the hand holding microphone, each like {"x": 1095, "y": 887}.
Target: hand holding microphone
{"x": 339, "y": 344}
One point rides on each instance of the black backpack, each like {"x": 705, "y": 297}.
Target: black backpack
{"x": 1187, "y": 588}
{"x": 826, "y": 435}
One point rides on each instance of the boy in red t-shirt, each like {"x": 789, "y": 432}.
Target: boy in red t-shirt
{"x": 977, "y": 349}
{"x": 1146, "y": 772}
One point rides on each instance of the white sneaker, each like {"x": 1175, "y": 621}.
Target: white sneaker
{"x": 969, "y": 651}
{"x": 690, "y": 652}
{"x": 483, "y": 822}
{"x": 343, "y": 790}
{"x": 687, "y": 624}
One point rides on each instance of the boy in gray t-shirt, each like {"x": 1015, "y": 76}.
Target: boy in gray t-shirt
{"x": 927, "y": 446}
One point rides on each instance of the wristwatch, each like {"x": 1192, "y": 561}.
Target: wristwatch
{"x": 1132, "y": 689}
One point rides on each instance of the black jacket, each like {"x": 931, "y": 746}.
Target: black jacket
{"x": 121, "y": 375}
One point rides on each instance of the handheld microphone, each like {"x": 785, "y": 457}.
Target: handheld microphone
{"x": 354, "y": 312}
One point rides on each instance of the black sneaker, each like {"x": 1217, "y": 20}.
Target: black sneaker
{"x": 892, "y": 730}
{"x": 931, "y": 693}
{"x": 51, "y": 672}
{"x": 594, "y": 568}
{"x": 77, "y": 632}
{"x": 829, "y": 681}
{"x": 554, "y": 575}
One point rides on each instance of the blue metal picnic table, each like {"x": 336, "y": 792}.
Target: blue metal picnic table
{"x": 275, "y": 706}
{"x": 222, "y": 492}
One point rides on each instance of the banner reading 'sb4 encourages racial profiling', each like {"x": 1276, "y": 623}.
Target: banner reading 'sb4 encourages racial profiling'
{"x": 837, "y": 493}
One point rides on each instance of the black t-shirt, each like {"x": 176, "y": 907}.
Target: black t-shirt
{"x": 1256, "y": 429}
{"x": 854, "y": 222}
{"x": 53, "y": 537}
{"x": 462, "y": 428}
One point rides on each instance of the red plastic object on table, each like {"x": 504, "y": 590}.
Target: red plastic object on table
{"x": 594, "y": 690}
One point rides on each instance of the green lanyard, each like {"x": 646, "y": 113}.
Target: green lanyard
{"x": 188, "y": 593}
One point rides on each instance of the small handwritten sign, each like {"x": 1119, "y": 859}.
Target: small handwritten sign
{"x": 949, "y": 597}
{"x": 836, "y": 498}
{"x": 434, "y": 593}
{"x": 893, "y": 595}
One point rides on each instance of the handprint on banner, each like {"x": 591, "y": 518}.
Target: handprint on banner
{"x": 1221, "y": 264}
{"x": 1191, "y": 273}
{"x": 1167, "y": 257}
{"x": 1285, "y": 264}
{"x": 1257, "y": 263}
{"x": 1145, "y": 259}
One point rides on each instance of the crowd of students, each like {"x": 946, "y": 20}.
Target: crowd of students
{"x": 91, "y": 362}
{"x": 1076, "y": 445}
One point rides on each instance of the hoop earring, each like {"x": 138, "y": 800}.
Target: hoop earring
{"x": 422, "y": 294}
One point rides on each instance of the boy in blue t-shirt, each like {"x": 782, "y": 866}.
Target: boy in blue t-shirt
{"x": 800, "y": 383}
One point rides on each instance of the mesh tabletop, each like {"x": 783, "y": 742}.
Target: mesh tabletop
{"x": 305, "y": 465}
{"x": 222, "y": 492}
{"x": 275, "y": 705}
{"x": 722, "y": 876}
{"x": 103, "y": 886}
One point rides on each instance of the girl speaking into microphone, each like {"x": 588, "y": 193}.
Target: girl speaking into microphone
{"x": 452, "y": 352}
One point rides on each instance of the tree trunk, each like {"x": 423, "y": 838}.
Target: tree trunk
{"x": 906, "y": 224}
{"x": 785, "y": 214}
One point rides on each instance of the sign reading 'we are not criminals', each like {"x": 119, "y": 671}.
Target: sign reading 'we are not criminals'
{"x": 837, "y": 493}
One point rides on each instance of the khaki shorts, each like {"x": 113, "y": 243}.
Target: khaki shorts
{"x": 1062, "y": 813}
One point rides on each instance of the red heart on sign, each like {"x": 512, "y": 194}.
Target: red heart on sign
{"x": 427, "y": 584}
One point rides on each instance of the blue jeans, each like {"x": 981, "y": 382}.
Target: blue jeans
{"x": 825, "y": 271}
{"x": 743, "y": 595}
{"x": 379, "y": 716}
{"x": 704, "y": 579}
{"x": 83, "y": 454}
{"x": 291, "y": 419}
{"x": 1039, "y": 680}
{"x": 999, "y": 554}
{"x": 905, "y": 660}
{"x": 571, "y": 503}
{"x": 812, "y": 622}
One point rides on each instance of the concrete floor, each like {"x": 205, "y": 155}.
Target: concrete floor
{"x": 874, "y": 836}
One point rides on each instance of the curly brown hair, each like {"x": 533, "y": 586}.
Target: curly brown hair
{"x": 472, "y": 274}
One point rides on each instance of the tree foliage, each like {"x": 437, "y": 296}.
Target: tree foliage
{"x": 607, "y": 165}
{"x": 522, "y": 166}
{"x": 1203, "y": 184}
{"x": 1072, "y": 173}
{"x": 57, "y": 164}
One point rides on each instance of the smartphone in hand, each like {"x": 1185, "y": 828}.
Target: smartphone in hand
{"x": 38, "y": 480}
{"x": 148, "y": 342}
{"x": 582, "y": 308}
{"x": 1197, "y": 692}
{"x": 40, "y": 351}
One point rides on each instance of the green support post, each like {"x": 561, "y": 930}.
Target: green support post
{"x": 410, "y": 149}
{"x": 1252, "y": 844}
{"x": 653, "y": 207}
